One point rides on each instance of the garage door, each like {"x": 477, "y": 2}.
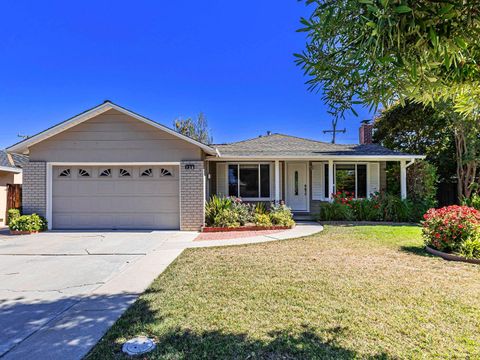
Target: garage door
{"x": 115, "y": 197}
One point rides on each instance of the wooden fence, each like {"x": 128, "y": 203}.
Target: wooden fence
{"x": 14, "y": 197}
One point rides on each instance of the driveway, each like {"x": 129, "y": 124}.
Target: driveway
{"x": 60, "y": 291}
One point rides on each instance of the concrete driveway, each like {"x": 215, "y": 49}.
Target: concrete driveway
{"x": 60, "y": 291}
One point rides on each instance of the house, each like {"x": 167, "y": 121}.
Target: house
{"x": 10, "y": 174}
{"x": 109, "y": 167}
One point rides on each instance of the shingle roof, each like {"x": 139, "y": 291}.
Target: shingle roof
{"x": 15, "y": 161}
{"x": 286, "y": 145}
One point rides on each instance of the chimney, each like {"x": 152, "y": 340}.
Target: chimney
{"x": 366, "y": 132}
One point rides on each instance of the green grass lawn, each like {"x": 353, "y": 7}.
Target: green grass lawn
{"x": 348, "y": 292}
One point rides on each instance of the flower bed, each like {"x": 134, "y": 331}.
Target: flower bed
{"x": 453, "y": 230}
{"x": 225, "y": 213}
{"x": 25, "y": 224}
{"x": 244, "y": 228}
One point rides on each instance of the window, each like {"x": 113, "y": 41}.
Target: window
{"x": 147, "y": 173}
{"x": 249, "y": 180}
{"x": 165, "y": 172}
{"x": 65, "y": 173}
{"x": 83, "y": 173}
{"x": 351, "y": 178}
{"x": 124, "y": 173}
{"x": 106, "y": 173}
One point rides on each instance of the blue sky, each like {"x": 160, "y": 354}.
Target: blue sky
{"x": 163, "y": 59}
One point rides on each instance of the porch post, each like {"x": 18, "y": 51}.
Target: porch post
{"x": 403, "y": 179}
{"x": 330, "y": 179}
{"x": 277, "y": 181}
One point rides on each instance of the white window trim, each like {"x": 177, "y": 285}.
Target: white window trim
{"x": 270, "y": 169}
{"x": 356, "y": 182}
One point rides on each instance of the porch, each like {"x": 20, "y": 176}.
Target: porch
{"x": 303, "y": 184}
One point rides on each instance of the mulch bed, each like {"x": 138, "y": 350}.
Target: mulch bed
{"x": 228, "y": 235}
{"x": 209, "y": 229}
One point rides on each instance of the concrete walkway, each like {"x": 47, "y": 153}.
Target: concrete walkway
{"x": 61, "y": 291}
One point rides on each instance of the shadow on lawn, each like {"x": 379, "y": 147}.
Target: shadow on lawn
{"x": 186, "y": 344}
{"x": 416, "y": 250}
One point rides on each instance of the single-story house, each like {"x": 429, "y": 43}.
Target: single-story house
{"x": 111, "y": 168}
{"x": 10, "y": 174}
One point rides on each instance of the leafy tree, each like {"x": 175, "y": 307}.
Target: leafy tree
{"x": 375, "y": 52}
{"x": 194, "y": 128}
{"x": 449, "y": 140}
{"x": 416, "y": 129}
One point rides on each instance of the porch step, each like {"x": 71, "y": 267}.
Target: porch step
{"x": 303, "y": 217}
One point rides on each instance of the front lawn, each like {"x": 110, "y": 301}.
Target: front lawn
{"x": 348, "y": 292}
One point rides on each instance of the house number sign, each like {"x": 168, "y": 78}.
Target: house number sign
{"x": 190, "y": 167}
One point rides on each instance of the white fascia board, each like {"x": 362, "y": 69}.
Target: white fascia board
{"x": 10, "y": 169}
{"x": 22, "y": 147}
{"x": 320, "y": 158}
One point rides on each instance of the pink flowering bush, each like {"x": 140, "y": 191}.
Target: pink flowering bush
{"x": 448, "y": 229}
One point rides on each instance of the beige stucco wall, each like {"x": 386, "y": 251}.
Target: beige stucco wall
{"x": 114, "y": 137}
{"x": 6, "y": 178}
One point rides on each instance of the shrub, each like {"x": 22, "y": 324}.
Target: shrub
{"x": 32, "y": 222}
{"x": 13, "y": 214}
{"x": 244, "y": 211}
{"x": 473, "y": 201}
{"x": 471, "y": 248}
{"x": 260, "y": 208}
{"x": 281, "y": 215}
{"x": 262, "y": 220}
{"x": 226, "y": 218}
{"x": 395, "y": 209}
{"x": 452, "y": 229}
{"x": 367, "y": 209}
{"x": 214, "y": 207}
{"x": 335, "y": 211}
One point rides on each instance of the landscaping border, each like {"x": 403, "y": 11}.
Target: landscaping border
{"x": 23, "y": 232}
{"x": 451, "y": 257}
{"x": 244, "y": 228}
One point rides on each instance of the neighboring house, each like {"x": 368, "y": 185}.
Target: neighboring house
{"x": 10, "y": 174}
{"x": 111, "y": 168}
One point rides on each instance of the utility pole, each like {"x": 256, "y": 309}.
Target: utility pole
{"x": 334, "y": 131}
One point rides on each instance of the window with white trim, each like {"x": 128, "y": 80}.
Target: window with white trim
{"x": 351, "y": 178}
{"x": 251, "y": 181}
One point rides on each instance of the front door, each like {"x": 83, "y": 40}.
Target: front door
{"x": 297, "y": 186}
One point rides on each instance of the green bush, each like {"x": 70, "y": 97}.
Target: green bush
{"x": 336, "y": 212}
{"x": 262, "y": 220}
{"x": 281, "y": 215}
{"x": 28, "y": 223}
{"x": 226, "y": 218}
{"x": 471, "y": 248}
{"x": 244, "y": 212}
{"x": 473, "y": 201}
{"x": 395, "y": 209}
{"x": 214, "y": 207}
{"x": 13, "y": 214}
{"x": 367, "y": 210}
{"x": 260, "y": 208}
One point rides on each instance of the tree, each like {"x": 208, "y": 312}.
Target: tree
{"x": 374, "y": 52}
{"x": 449, "y": 140}
{"x": 194, "y": 128}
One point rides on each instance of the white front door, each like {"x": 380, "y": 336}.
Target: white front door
{"x": 297, "y": 186}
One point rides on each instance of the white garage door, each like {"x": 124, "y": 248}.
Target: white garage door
{"x": 115, "y": 197}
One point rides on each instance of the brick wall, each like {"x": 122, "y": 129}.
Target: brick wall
{"x": 34, "y": 198}
{"x": 192, "y": 195}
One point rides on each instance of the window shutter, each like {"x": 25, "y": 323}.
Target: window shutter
{"x": 373, "y": 178}
{"x": 222, "y": 179}
{"x": 317, "y": 181}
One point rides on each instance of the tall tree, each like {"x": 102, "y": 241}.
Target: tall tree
{"x": 375, "y": 52}
{"x": 194, "y": 128}
{"x": 450, "y": 143}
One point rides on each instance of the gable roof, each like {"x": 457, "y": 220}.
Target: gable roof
{"x": 12, "y": 162}
{"x": 286, "y": 146}
{"x": 22, "y": 146}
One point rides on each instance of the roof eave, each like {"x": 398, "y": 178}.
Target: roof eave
{"x": 11, "y": 169}
{"x": 317, "y": 158}
{"x": 22, "y": 147}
